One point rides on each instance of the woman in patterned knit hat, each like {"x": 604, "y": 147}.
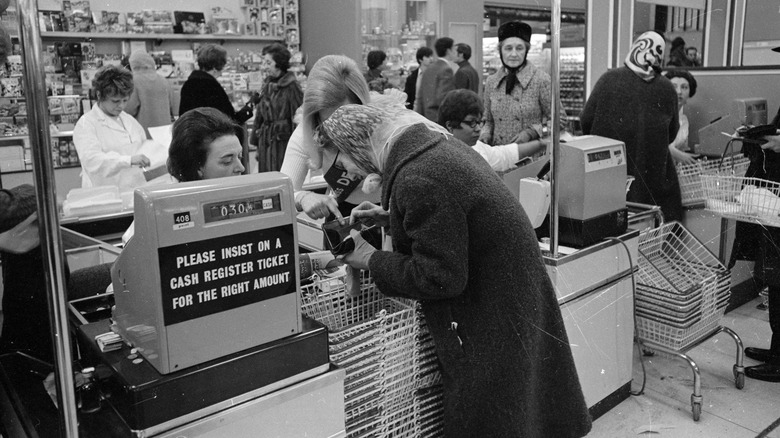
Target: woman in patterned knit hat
{"x": 464, "y": 247}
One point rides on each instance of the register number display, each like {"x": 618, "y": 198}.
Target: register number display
{"x": 237, "y": 208}
{"x": 214, "y": 275}
{"x": 599, "y": 156}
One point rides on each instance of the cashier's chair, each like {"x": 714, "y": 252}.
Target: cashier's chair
{"x": 87, "y": 282}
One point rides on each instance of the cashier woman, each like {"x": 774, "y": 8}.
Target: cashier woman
{"x": 107, "y": 139}
{"x": 204, "y": 145}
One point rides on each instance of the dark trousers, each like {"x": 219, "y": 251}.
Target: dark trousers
{"x": 774, "y": 318}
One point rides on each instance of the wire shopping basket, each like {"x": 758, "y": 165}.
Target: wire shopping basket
{"x": 384, "y": 346}
{"x": 682, "y": 288}
{"x": 753, "y": 200}
{"x": 689, "y": 175}
{"x": 681, "y": 295}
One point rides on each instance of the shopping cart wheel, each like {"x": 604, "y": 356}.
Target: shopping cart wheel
{"x": 696, "y": 406}
{"x": 739, "y": 377}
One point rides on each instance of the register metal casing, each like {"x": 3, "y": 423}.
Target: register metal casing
{"x": 211, "y": 269}
{"x": 592, "y": 195}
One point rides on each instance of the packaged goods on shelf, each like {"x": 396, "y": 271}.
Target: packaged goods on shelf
{"x": 135, "y": 22}
{"x": 78, "y": 16}
{"x": 189, "y": 22}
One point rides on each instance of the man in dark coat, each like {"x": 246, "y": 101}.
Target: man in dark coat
{"x": 202, "y": 88}
{"x": 466, "y": 77}
{"x": 424, "y": 57}
{"x": 638, "y": 106}
{"x": 465, "y": 248}
{"x": 762, "y": 244}
{"x": 436, "y": 81}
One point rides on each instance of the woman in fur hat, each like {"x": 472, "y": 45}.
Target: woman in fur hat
{"x": 517, "y": 96}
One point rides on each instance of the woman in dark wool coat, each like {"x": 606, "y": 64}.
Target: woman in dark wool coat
{"x": 464, "y": 247}
{"x": 638, "y": 106}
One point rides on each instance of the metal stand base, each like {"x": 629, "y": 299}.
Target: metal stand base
{"x": 738, "y": 369}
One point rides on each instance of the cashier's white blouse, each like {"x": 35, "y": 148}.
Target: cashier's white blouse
{"x": 105, "y": 146}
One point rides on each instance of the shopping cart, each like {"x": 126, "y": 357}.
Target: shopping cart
{"x": 681, "y": 294}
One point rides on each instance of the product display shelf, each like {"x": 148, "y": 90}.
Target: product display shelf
{"x": 386, "y": 351}
{"x": 156, "y": 36}
{"x": 682, "y": 292}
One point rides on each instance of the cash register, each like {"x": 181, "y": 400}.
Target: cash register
{"x": 207, "y": 303}
{"x": 592, "y": 197}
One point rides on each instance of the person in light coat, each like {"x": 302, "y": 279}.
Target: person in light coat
{"x": 153, "y": 102}
{"x": 107, "y": 139}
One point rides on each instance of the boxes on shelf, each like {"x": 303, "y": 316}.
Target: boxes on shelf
{"x": 12, "y": 106}
{"x": 189, "y": 22}
{"x": 12, "y": 87}
{"x": 11, "y": 155}
{"x": 110, "y": 21}
{"x": 77, "y": 16}
{"x": 135, "y": 22}
{"x": 50, "y": 21}
{"x": 14, "y": 66}
{"x": 156, "y": 21}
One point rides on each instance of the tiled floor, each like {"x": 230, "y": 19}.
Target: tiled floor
{"x": 727, "y": 412}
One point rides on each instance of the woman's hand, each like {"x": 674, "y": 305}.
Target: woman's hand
{"x": 362, "y": 253}
{"x": 140, "y": 160}
{"x": 370, "y": 210}
{"x": 318, "y": 206}
{"x": 682, "y": 157}
{"x": 772, "y": 143}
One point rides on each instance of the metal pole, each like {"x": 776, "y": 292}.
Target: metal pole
{"x": 555, "y": 74}
{"x": 48, "y": 219}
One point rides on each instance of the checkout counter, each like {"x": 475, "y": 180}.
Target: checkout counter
{"x": 592, "y": 273}
{"x": 207, "y": 300}
{"x": 220, "y": 349}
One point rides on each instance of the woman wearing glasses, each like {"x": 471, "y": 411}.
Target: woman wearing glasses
{"x": 461, "y": 113}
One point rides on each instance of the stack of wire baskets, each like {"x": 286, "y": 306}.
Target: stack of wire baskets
{"x": 392, "y": 385}
{"x": 689, "y": 175}
{"x": 753, "y": 200}
{"x": 682, "y": 288}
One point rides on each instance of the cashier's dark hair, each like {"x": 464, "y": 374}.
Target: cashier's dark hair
{"x": 112, "y": 81}
{"x": 678, "y": 73}
{"x": 457, "y": 105}
{"x": 192, "y": 134}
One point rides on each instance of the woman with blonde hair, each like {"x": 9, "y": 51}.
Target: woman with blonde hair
{"x": 333, "y": 81}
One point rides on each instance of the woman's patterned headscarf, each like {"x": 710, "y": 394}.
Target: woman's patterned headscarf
{"x": 366, "y": 134}
{"x": 646, "y": 55}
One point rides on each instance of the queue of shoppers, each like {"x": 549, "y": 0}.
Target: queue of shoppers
{"x": 461, "y": 244}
